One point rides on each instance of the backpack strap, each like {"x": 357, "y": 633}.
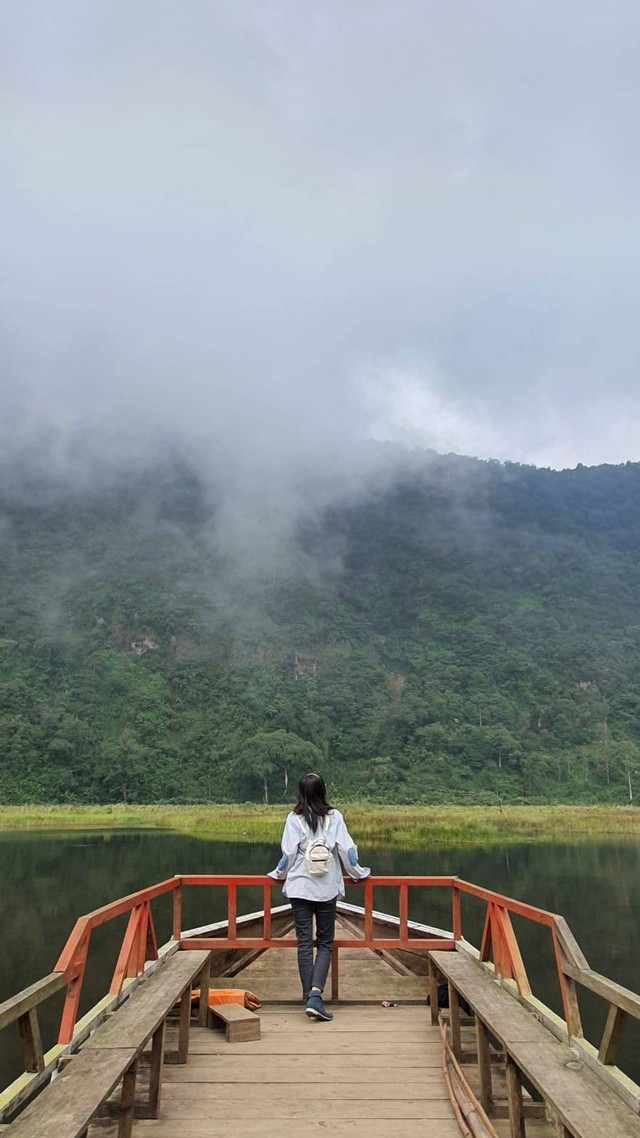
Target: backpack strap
{"x": 307, "y": 833}
{"x": 302, "y": 826}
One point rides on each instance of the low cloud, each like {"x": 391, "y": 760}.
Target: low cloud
{"x": 267, "y": 236}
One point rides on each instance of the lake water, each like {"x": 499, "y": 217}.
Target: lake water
{"x": 49, "y": 880}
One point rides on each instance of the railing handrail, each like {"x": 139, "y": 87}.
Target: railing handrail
{"x": 109, "y": 912}
{"x": 519, "y": 908}
{"x": 16, "y": 1006}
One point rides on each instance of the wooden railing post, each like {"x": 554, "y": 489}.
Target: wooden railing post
{"x": 403, "y": 912}
{"x": 335, "y": 973}
{"x": 74, "y": 988}
{"x": 514, "y": 1096}
{"x": 433, "y": 992}
{"x": 203, "y": 981}
{"x": 127, "y": 963}
{"x": 499, "y": 940}
{"x": 612, "y": 1035}
{"x": 487, "y": 936}
{"x": 155, "y": 1070}
{"x": 484, "y": 1066}
{"x": 232, "y": 909}
{"x": 184, "y": 1023}
{"x": 567, "y": 991}
{"x": 31, "y": 1041}
{"x": 151, "y": 941}
{"x": 141, "y": 942}
{"x": 454, "y": 1020}
{"x": 127, "y": 1100}
{"x": 368, "y": 909}
{"x": 177, "y": 910}
{"x": 266, "y": 905}
{"x": 456, "y": 913}
{"x": 513, "y": 963}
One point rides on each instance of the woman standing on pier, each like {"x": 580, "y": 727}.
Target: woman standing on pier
{"x": 314, "y": 842}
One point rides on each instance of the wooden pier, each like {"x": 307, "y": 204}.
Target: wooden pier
{"x": 493, "y": 1063}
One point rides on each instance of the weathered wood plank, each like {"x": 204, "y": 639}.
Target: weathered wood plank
{"x": 397, "y": 1016}
{"x": 134, "y": 1023}
{"x": 279, "y": 1128}
{"x": 612, "y": 1035}
{"x": 572, "y": 951}
{"x": 240, "y": 1024}
{"x": 74, "y": 1097}
{"x": 325, "y": 1069}
{"x": 568, "y": 992}
{"x": 583, "y": 1101}
{"x": 223, "y": 1095}
{"x": 233, "y": 1013}
{"x": 181, "y": 1109}
{"x": 613, "y": 993}
{"x": 30, "y": 997}
{"x": 350, "y": 1128}
{"x": 359, "y": 1043}
{"x": 255, "y": 1092}
{"x": 25, "y": 1086}
{"x": 31, "y": 1041}
{"x": 256, "y": 1058}
{"x": 493, "y": 1003}
{"x": 299, "y": 1023}
{"x": 581, "y": 1098}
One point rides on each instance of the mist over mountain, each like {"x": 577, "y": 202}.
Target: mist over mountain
{"x": 420, "y": 627}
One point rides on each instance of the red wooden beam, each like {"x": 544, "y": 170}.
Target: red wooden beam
{"x": 403, "y": 912}
{"x": 127, "y": 951}
{"x": 74, "y": 988}
{"x": 540, "y": 916}
{"x": 232, "y": 908}
{"x": 266, "y": 905}
{"x": 206, "y": 943}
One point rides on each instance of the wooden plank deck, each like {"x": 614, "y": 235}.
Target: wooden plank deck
{"x": 369, "y": 1072}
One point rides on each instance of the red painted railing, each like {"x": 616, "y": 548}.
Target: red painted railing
{"x": 234, "y": 941}
{"x": 499, "y": 950}
{"x": 139, "y": 945}
{"x": 499, "y": 945}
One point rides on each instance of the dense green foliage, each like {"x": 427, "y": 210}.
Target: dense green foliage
{"x": 466, "y": 631}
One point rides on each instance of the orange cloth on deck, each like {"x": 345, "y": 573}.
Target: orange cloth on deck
{"x": 230, "y": 996}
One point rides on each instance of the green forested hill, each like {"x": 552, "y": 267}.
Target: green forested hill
{"x": 464, "y": 631}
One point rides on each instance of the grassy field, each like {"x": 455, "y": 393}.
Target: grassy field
{"x": 372, "y": 825}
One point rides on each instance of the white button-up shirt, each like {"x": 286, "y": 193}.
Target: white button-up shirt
{"x": 292, "y": 865}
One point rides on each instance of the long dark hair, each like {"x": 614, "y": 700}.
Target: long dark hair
{"x": 312, "y": 800}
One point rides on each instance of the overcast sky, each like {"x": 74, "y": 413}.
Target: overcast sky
{"x": 287, "y": 227}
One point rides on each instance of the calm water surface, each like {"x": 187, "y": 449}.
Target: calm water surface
{"x": 49, "y": 880}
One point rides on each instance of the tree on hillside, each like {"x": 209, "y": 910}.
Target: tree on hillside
{"x": 275, "y": 753}
{"x": 628, "y": 757}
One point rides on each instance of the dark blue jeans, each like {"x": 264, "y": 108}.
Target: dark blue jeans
{"x": 313, "y": 974}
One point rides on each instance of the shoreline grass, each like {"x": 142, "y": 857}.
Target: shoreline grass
{"x": 401, "y": 826}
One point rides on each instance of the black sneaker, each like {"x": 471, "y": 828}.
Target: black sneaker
{"x": 315, "y": 1008}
